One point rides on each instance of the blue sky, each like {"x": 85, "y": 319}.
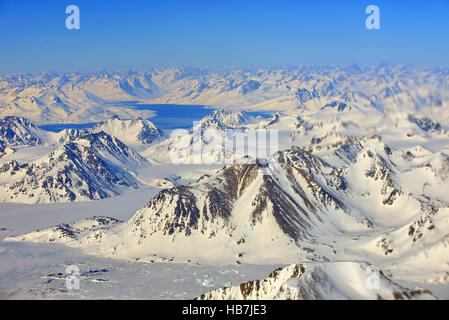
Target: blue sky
{"x": 143, "y": 34}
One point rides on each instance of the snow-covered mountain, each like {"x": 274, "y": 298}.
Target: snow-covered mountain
{"x": 136, "y": 133}
{"x": 66, "y": 135}
{"x": 360, "y": 173}
{"x": 89, "y": 167}
{"x": 20, "y": 131}
{"x": 112, "y": 149}
{"x": 318, "y": 281}
{"x": 226, "y": 119}
{"x": 65, "y": 232}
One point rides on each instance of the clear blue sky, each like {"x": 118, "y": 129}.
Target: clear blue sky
{"x": 144, "y": 34}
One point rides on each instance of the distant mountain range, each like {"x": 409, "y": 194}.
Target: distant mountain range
{"x": 92, "y": 96}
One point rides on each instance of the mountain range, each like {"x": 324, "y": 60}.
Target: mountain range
{"x": 357, "y": 181}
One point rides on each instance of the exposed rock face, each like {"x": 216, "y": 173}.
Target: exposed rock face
{"x": 93, "y": 226}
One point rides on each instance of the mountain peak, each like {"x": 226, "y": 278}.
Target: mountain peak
{"x": 226, "y": 119}
{"x": 136, "y": 133}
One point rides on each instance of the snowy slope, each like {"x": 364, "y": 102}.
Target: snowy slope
{"x": 317, "y": 281}
{"x": 91, "y": 96}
